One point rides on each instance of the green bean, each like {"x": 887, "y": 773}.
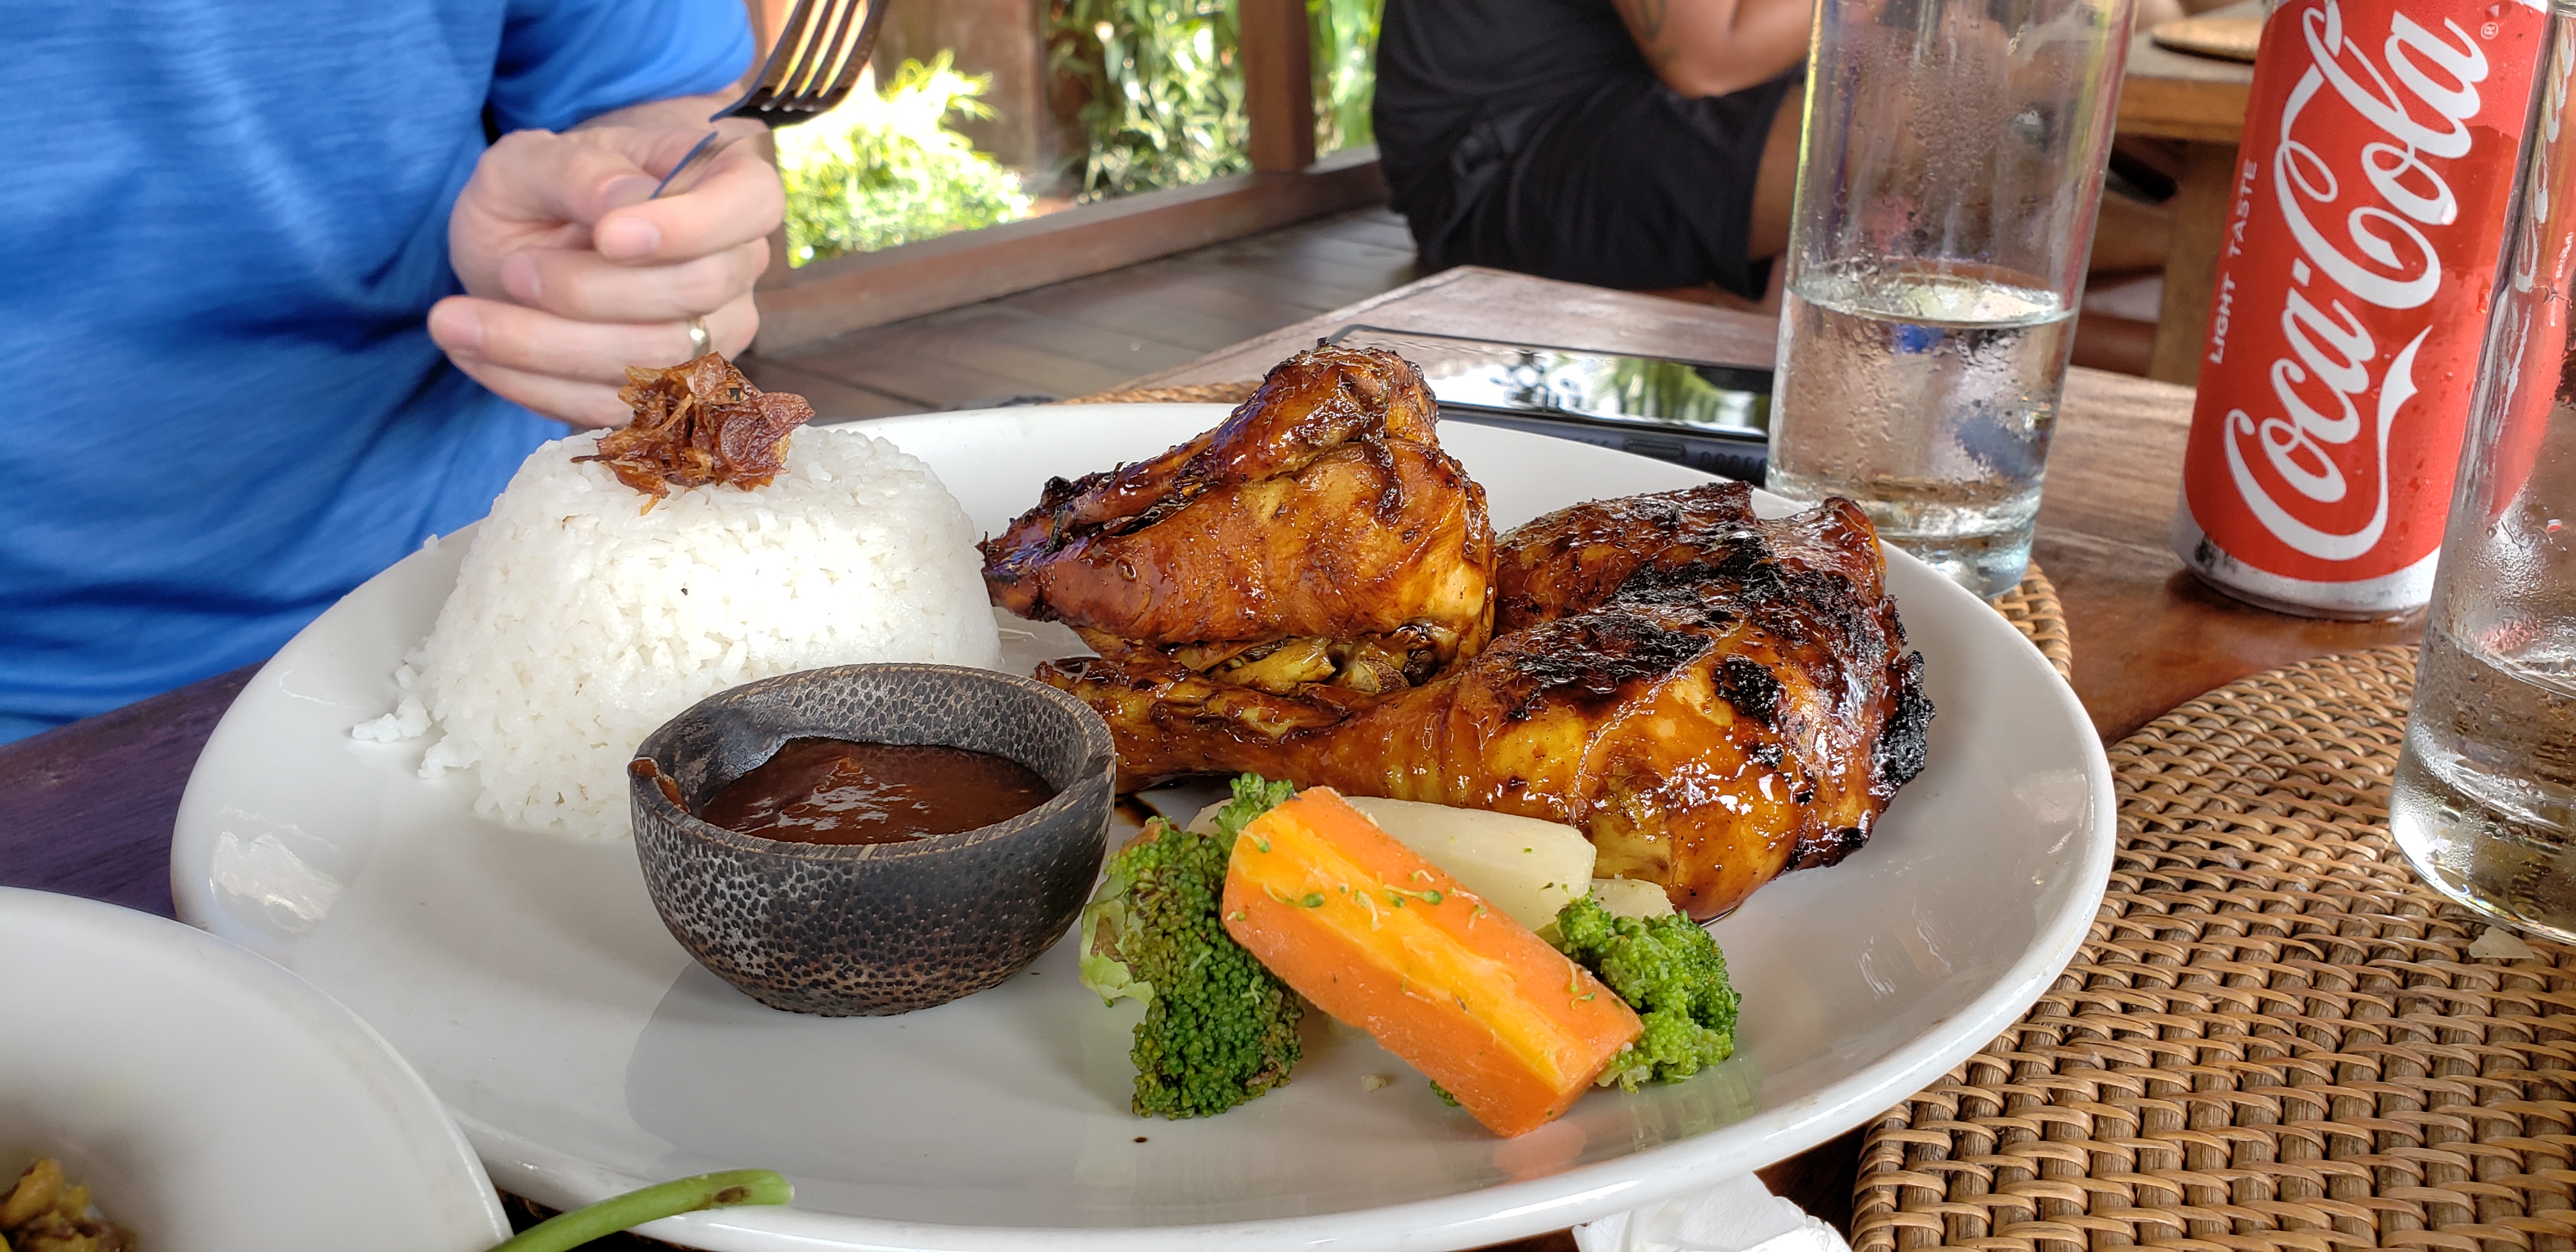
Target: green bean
{"x": 687, "y": 1195}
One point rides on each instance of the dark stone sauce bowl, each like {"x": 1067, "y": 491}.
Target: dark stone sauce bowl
{"x": 879, "y": 928}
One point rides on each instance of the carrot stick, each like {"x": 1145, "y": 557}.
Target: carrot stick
{"x": 1375, "y": 935}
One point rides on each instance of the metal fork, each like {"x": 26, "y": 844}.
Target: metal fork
{"x": 812, "y": 67}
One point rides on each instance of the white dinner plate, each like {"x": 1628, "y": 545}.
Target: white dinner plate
{"x": 530, "y": 981}
{"x": 213, "y": 1102}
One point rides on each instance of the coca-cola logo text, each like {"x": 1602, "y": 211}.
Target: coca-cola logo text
{"x": 2376, "y": 254}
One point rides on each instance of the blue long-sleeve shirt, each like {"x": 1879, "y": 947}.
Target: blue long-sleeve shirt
{"x": 218, "y": 244}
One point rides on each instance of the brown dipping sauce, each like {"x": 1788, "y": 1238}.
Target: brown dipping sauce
{"x": 836, "y": 791}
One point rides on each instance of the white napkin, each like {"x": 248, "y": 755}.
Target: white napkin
{"x": 1737, "y": 1214}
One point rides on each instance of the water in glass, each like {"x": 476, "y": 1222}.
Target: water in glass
{"x": 1926, "y": 393}
{"x": 2484, "y": 802}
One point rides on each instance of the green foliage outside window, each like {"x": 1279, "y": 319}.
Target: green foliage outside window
{"x": 1345, "y": 49}
{"x": 1165, "y": 86}
{"x": 883, "y": 168}
{"x": 1165, "y": 91}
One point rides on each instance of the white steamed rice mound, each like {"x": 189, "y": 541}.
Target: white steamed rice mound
{"x": 581, "y": 621}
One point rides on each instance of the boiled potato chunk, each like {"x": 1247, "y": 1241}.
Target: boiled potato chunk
{"x": 1528, "y": 868}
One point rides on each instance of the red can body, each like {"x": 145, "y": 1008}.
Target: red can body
{"x": 2351, "y": 299}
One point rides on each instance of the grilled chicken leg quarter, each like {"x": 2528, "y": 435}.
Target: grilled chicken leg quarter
{"x": 1711, "y": 698}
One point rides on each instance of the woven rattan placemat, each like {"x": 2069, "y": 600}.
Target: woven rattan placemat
{"x": 1195, "y": 393}
{"x": 2277, "y": 1037}
{"x": 2032, "y": 606}
{"x": 2229, "y": 36}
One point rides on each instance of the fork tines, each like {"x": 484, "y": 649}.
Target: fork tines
{"x": 816, "y": 61}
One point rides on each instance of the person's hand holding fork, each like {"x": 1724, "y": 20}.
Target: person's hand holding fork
{"x": 572, "y": 273}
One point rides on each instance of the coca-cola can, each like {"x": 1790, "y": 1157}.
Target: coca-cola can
{"x": 2351, "y": 298}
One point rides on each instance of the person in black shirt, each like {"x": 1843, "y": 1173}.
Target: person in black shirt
{"x": 1623, "y": 143}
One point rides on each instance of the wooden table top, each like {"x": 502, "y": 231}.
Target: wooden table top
{"x": 89, "y": 806}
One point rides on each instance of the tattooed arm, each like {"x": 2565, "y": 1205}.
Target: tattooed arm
{"x": 1712, "y": 47}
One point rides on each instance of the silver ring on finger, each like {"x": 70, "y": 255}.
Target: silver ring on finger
{"x": 700, "y": 342}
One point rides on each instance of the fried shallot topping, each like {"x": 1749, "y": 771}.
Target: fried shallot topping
{"x": 700, "y": 422}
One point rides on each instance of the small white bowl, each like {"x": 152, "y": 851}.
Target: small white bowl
{"x": 214, "y": 1102}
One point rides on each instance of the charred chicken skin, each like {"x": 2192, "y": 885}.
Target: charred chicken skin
{"x": 1319, "y": 535}
{"x": 1711, "y": 697}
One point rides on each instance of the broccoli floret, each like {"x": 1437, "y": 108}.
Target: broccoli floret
{"x": 1219, "y": 1029}
{"x": 1671, "y": 972}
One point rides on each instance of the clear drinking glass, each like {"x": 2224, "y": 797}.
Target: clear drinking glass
{"x": 1949, "y": 174}
{"x": 2484, "y": 801}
